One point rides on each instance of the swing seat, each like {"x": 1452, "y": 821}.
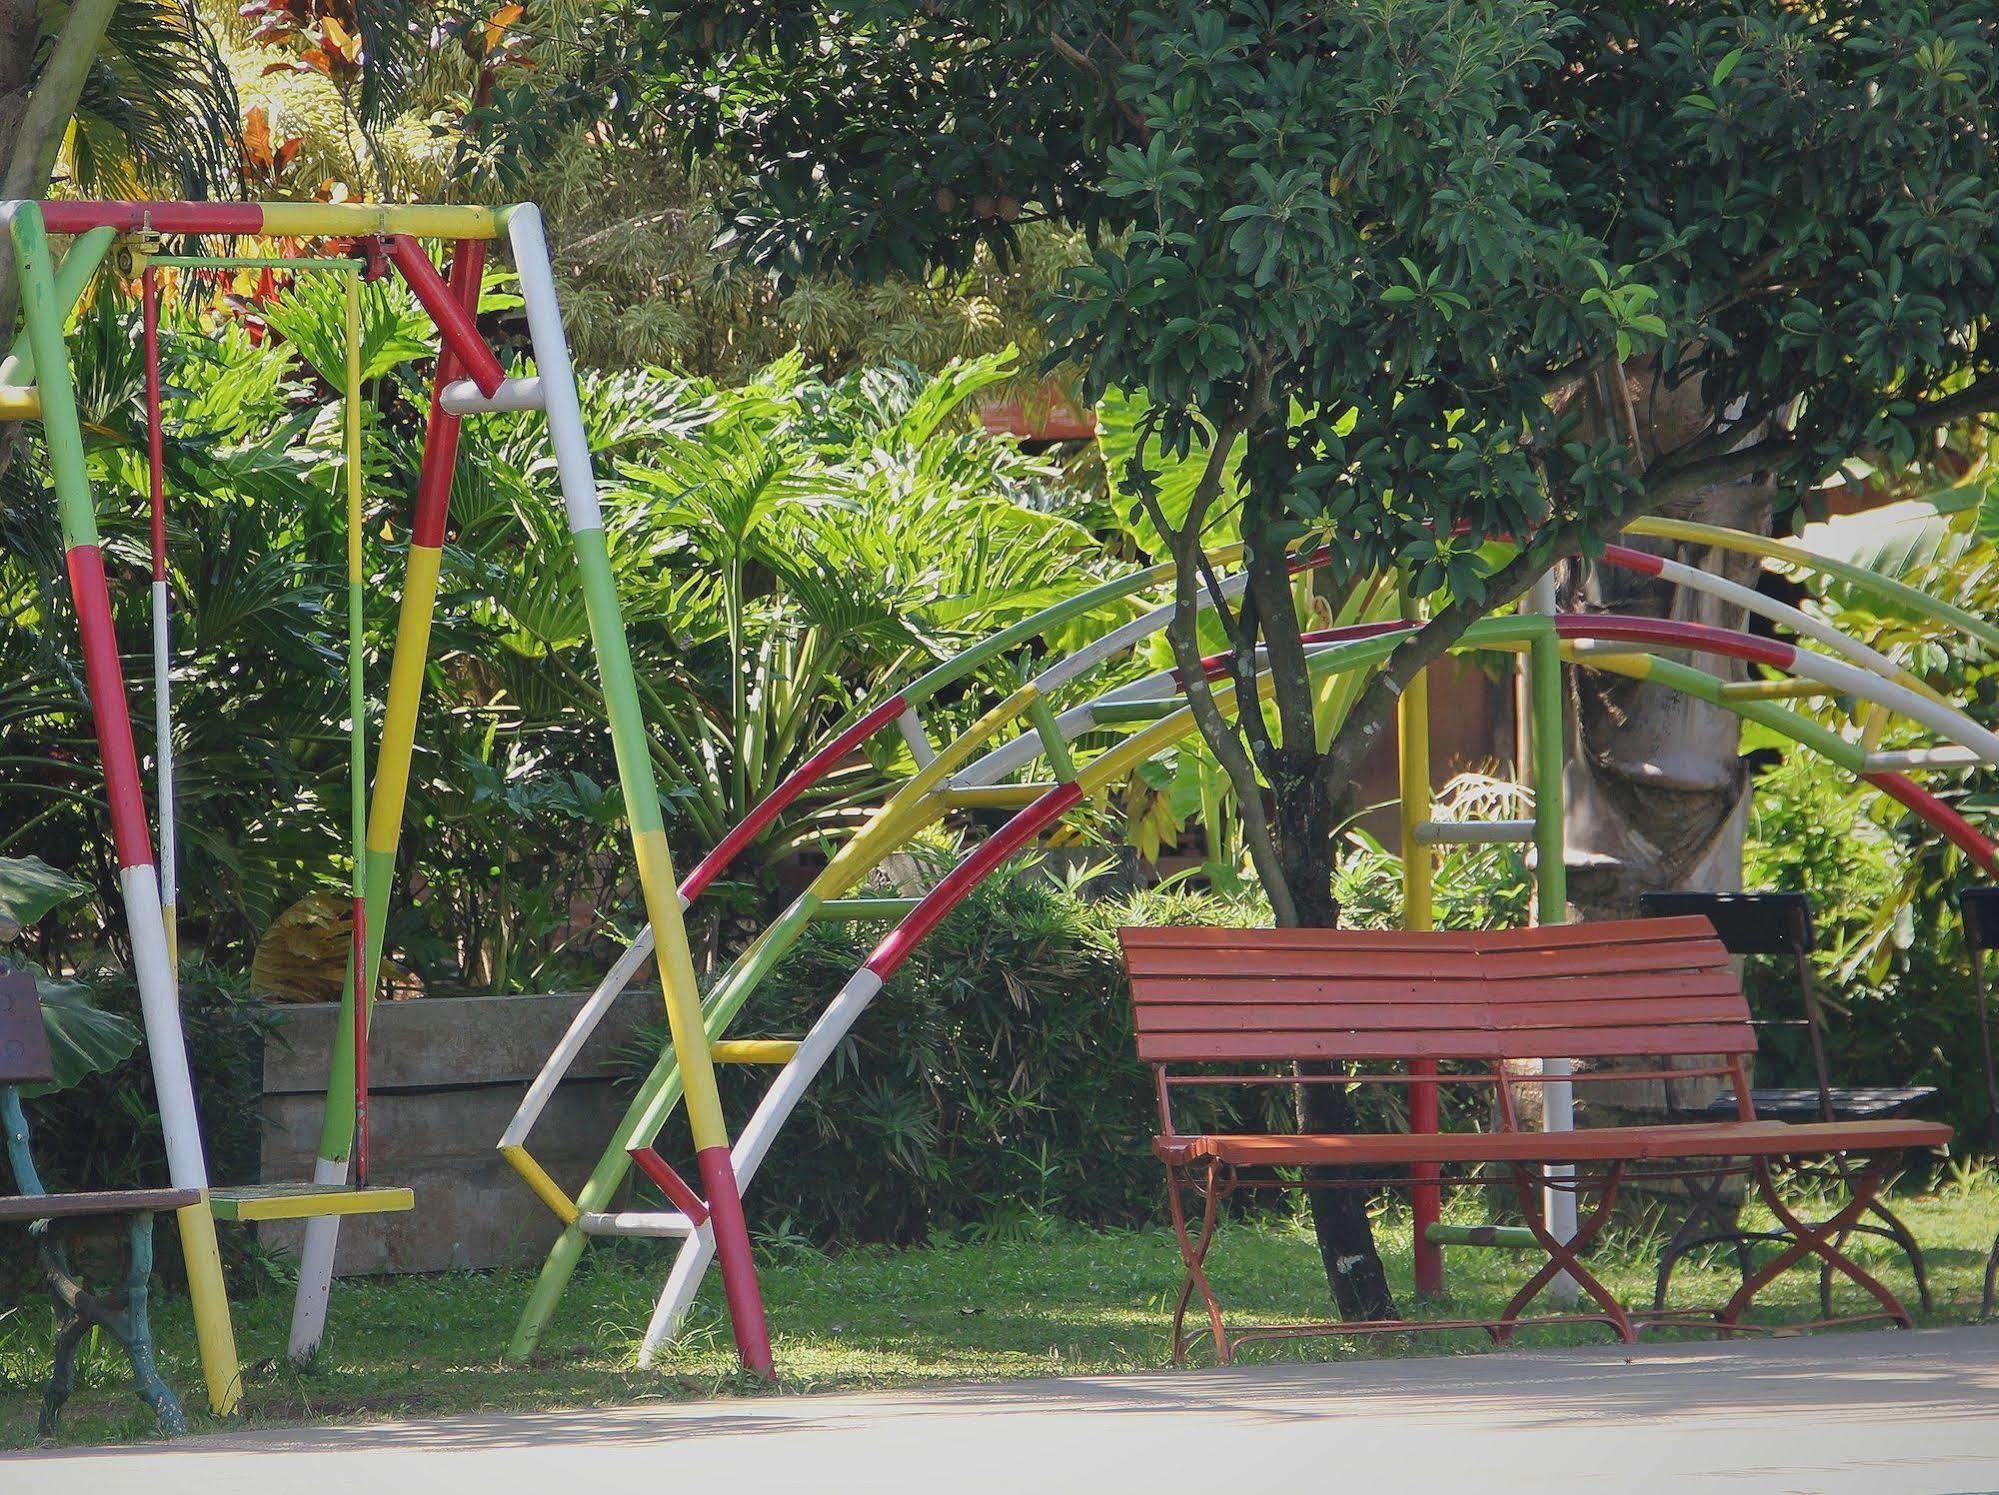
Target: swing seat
{"x": 256, "y": 1202}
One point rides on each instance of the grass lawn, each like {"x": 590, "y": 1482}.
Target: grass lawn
{"x": 1057, "y": 1299}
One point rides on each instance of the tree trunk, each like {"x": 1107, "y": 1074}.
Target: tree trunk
{"x": 36, "y": 107}
{"x": 1656, "y": 797}
{"x": 1306, "y": 821}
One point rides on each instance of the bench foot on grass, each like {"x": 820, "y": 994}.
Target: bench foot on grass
{"x": 1562, "y": 1255}
{"x": 1194, "y": 1252}
{"x": 1823, "y": 1241}
{"x": 122, "y": 1315}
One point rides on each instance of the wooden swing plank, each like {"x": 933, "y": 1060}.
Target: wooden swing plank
{"x": 252, "y": 1202}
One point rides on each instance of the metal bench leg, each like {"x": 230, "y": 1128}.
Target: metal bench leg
{"x": 1562, "y": 1254}
{"x": 1902, "y": 1237}
{"x": 124, "y": 1316}
{"x": 1194, "y": 1252}
{"x": 70, "y": 1329}
{"x": 138, "y": 1331}
{"x": 1703, "y": 1208}
{"x": 1897, "y": 1233}
{"x": 1820, "y": 1241}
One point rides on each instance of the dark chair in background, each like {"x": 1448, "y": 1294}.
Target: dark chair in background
{"x": 1979, "y": 908}
{"x": 1780, "y": 924}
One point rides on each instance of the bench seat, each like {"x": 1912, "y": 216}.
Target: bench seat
{"x": 18, "y": 1207}
{"x": 1763, "y": 1139}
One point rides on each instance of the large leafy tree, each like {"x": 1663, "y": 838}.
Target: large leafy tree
{"x": 1421, "y": 274}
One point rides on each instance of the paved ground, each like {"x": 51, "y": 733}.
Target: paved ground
{"x": 1887, "y": 1414}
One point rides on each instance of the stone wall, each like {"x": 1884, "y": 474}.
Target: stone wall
{"x": 445, "y": 1076}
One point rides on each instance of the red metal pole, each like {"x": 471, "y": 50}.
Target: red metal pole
{"x": 676, "y": 1189}
{"x": 1425, "y": 1201}
{"x": 454, "y": 319}
{"x": 160, "y": 217}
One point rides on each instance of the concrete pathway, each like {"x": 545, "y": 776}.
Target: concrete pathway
{"x": 1881, "y": 1413}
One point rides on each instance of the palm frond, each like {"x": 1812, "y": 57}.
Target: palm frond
{"x": 158, "y": 111}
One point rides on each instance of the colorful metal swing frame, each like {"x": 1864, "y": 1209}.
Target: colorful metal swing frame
{"x": 35, "y": 383}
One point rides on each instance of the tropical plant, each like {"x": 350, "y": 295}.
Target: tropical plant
{"x": 820, "y": 539}
{"x": 82, "y": 1040}
{"x": 781, "y": 549}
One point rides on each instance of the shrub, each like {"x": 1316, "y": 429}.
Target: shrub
{"x": 993, "y": 1078}
{"x": 1891, "y": 965}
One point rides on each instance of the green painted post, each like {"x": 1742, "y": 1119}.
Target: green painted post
{"x": 1053, "y": 746}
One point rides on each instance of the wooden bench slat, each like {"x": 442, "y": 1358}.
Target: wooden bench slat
{"x": 1628, "y": 1143}
{"x": 1536, "y": 1043}
{"x": 1614, "y": 1012}
{"x": 1467, "y": 965}
{"x": 1613, "y": 960}
{"x": 1634, "y": 959}
{"x": 1548, "y": 936}
{"x": 1165, "y": 991}
{"x": 20, "y": 1207}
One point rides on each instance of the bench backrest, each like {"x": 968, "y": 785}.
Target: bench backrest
{"x": 1580, "y": 991}
{"x": 24, "y": 1042}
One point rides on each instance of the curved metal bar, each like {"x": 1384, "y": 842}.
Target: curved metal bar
{"x": 1744, "y": 543}
{"x": 1752, "y": 601}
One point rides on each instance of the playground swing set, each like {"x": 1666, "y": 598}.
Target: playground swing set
{"x": 36, "y": 384}
{"x": 1086, "y": 746}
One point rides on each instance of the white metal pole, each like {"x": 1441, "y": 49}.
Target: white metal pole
{"x": 1558, "y": 1199}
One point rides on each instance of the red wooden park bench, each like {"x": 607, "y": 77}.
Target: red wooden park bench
{"x": 1216, "y": 1006}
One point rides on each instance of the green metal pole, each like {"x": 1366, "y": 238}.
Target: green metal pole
{"x": 72, "y": 278}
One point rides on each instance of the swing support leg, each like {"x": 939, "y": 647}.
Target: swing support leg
{"x": 384, "y": 816}
{"x": 138, "y": 877}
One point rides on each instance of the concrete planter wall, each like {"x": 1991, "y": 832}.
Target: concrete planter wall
{"x": 445, "y": 1075}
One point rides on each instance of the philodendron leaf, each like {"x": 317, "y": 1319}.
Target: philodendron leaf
{"x": 82, "y": 1039}
{"x": 1988, "y": 514}
{"x": 29, "y": 888}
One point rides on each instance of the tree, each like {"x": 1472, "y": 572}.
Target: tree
{"x": 1431, "y": 273}
{"x": 133, "y": 96}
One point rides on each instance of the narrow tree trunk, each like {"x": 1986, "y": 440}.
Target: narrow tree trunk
{"x": 1305, "y": 824}
{"x": 35, "y": 111}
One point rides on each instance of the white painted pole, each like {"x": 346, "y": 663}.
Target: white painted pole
{"x": 163, "y": 743}
{"x": 1558, "y": 1113}
{"x": 315, "y": 1269}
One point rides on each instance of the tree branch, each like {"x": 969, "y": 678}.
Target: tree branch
{"x": 1183, "y": 634}
{"x": 1980, "y": 397}
{"x": 1068, "y": 52}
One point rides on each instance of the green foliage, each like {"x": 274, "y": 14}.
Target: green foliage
{"x": 30, "y": 889}
{"x": 1382, "y": 234}
{"x": 1891, "y": 966}
{"x": 82, "y": 1039}
{"x": 781, "y": 548}
{"x": 104, "y": 1131}
{"x": 157, "y": 113}
{"x": 1883, "y": 883}
{"x": 1477, "y": 885}
{"x": 993, "y": 1079}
